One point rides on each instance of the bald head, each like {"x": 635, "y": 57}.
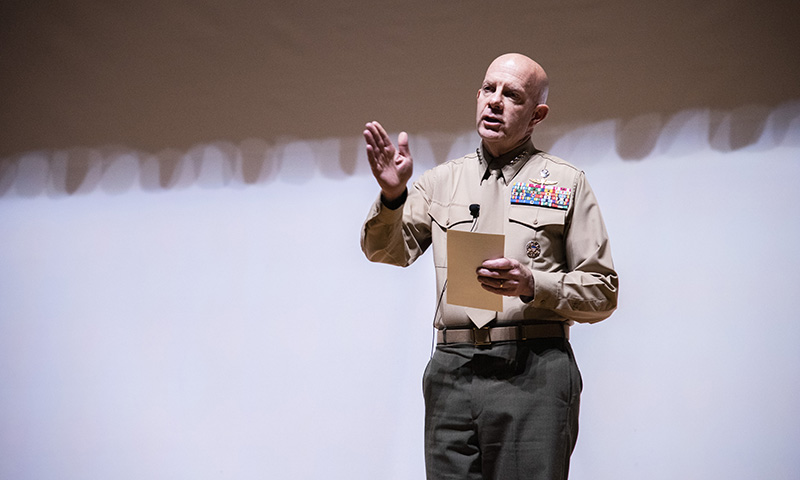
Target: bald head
{"x": 511, "y": 102}
{"x": 531, "y": 73}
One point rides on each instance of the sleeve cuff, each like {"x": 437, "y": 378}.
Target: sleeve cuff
{"x": 545, "y": 289}
{"x": 396, "y": 203}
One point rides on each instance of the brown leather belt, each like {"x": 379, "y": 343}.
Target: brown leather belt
{"x": 487, "y": 336}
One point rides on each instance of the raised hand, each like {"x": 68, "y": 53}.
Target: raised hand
{"x": 392, "y": 167}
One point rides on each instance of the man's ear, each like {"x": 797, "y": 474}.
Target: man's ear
{"x": 539, "y": 113}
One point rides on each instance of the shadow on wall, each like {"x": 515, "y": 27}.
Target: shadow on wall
{"x": 116, "y": 170}
{"x": 730, "y": 131}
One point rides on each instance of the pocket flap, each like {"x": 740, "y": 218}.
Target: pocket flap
{"x": 536, "y": 217}
{"x": 446, "y": 216}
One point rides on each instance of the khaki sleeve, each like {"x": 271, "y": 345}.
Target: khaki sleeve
{"x": 399, "y": 237}
{"x": 587, "y": 291}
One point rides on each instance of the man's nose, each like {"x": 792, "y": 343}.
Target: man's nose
{"x": 496, "y": 100}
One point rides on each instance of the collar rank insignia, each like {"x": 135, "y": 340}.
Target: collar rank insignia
{"x": 541, "y": 194}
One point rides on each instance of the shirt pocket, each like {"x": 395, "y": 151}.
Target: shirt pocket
{"x": 444, "y": 218}
{"x": 535, "y": 236}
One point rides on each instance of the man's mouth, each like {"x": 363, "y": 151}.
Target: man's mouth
{"x": 491, "y": 121}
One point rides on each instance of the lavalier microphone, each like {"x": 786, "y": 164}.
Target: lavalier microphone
{"x": 475, "y": 210}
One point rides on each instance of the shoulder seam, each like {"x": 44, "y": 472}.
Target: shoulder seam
{"x": 559, "y": 161}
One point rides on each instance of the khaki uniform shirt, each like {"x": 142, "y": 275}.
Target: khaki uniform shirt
{"x": 566, "y": 247}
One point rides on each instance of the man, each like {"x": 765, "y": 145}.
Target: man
{"x": 501, "y": 401}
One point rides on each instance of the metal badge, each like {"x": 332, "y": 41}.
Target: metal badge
{"x": 533, "y": 249}
{"x": 543, "y": 179}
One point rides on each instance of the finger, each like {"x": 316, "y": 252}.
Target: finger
{"x": 381, "y": 140}
{"x": 371, "y": 157}
{"x": 498, "y": 288}
{"x": 370, "y": 136}
{"x": 502, "y": 264}
{"x": 485, "y": 273}
{"x": 402, "y": 144}
{"x": 508, "y": 288}
{"x": 492, "y": 272}
{"x": 372, "y": 149}
{"x": 493, "y": 279}
{"x": 381, "y": 153}
{"x": 381, "y": 131}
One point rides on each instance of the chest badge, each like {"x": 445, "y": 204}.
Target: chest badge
{"x": 541, "y": 194}
{"x": 543, "y": 179}
{"x": 533, "y": 249}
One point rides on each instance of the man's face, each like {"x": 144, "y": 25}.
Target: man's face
{"x": 506, "y": 108}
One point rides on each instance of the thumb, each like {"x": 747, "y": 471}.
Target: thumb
{"x": 402, "y": 144}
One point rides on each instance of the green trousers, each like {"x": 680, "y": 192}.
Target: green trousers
{"x": 506, "y": 411}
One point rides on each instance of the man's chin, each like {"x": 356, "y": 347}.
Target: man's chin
{"x": 490, "y": 135}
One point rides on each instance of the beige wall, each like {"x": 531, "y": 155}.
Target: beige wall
{"x": 151, "y": 75}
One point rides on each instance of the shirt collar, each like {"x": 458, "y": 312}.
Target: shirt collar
{"x": 509, "y": 163}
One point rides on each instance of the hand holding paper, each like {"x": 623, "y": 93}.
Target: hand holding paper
{"x": 506, "y": 276}
{"x": 466, "y": 252}
{"x": 478, "y": 274}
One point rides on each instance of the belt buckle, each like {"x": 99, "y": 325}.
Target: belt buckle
{"x": 481, "y": 336}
